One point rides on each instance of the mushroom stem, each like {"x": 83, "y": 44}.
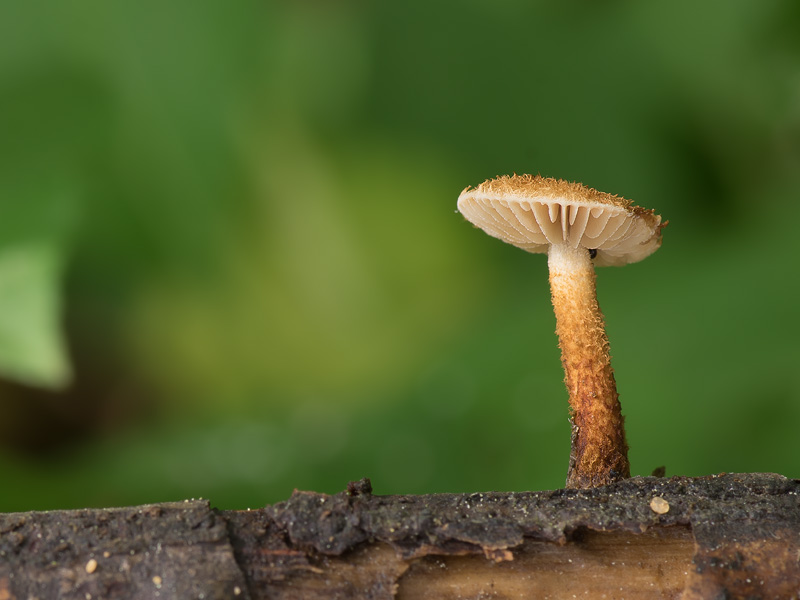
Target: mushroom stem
{"x": 599, "y": 452}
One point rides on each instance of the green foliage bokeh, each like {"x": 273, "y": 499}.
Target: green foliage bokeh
{"x": 230, "y": 262}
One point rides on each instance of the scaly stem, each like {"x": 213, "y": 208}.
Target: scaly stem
{"x": 599, "y": 452}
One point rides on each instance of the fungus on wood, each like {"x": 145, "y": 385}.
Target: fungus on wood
{"x": 578, "y": 227}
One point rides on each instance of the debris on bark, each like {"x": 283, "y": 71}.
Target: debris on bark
{"x": 723, "y": 536}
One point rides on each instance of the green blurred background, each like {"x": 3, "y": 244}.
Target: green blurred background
{"x": 230, "y": 262}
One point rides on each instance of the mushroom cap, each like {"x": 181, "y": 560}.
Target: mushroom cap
{"x": 534, "y": 212}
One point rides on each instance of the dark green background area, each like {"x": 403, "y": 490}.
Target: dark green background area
{"x": 243, "y": 216}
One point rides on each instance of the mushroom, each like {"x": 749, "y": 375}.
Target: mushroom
{"x": 578, "y": 227}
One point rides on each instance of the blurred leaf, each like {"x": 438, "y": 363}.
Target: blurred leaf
{"x": 31, "y": 349}
{"x": 52, "y": 121}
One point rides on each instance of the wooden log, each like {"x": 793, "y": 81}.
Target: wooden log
{"x": 724, "y": 536}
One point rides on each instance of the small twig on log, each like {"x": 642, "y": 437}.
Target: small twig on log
{"x": 723, "y": 536}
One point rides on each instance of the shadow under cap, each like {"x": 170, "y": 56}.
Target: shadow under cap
{"x": 534, "y": 212}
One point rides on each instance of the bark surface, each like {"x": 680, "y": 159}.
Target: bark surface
{"x": 725, "y": 536}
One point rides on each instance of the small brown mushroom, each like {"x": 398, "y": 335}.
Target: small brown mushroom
{"x": 578, "y": 227}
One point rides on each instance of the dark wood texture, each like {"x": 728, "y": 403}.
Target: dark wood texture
{"x": 725, "y": 536}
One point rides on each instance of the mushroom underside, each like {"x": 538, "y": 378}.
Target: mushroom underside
{"x": 618, "y": 235}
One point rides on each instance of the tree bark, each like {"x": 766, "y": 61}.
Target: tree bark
{"x": 724, "y": 536}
